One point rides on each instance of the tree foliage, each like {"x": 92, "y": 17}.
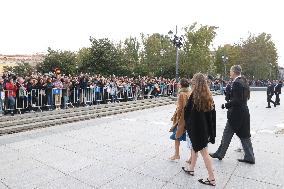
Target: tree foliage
{"x": 63, "y": 60}
{"x": 197, "y": 48}
{"x": 158, "y": 55}
{"x": 155, "y": 54}
{"x": 21, "y": 69}
{"x": 105, "y": 58}
{"x": 257, "y": 55}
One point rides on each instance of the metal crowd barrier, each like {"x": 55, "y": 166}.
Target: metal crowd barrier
{"x": 99, "y": 94}
{"x": 107, "y": 94}
{"x": 38, "y": 99}
{"x": 87, "y": 96}
{"x": 120, "y": 93}
{"x": 75, "y": 100}
{"x": 21, "y": 103}
{"x": 56, "y": 96}
{"x": 128, "y": 93}
{"x": 148, "y": 91}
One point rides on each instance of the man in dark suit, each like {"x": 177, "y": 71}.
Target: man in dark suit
{"x": 238, "y": 118}
{"x": 270, "y": 93}
{"x": 277, "y": 92}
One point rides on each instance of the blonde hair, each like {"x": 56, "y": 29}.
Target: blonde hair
{"x": 202, "y": 97}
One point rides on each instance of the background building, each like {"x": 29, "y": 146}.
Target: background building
{"x": 13, "y": 60}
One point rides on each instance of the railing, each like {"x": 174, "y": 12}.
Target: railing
{"x": 56, "y": 98}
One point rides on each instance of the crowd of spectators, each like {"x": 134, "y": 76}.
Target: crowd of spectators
{"x": 217, "y": 84}
{"x": 55, "y": 91}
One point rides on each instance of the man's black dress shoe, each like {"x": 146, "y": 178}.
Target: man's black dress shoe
{"x": 215, "y": 156}
{"x": 246, "y": 161}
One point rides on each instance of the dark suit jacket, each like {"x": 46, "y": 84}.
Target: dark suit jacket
{"x": 200, "y": 126}
{"x": 238, "y": 113}
{"x": 278, "y": 88}
{"x": 228, "y": 91}
{"x": 270, "y": 90}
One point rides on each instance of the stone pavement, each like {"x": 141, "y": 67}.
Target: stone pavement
{"x": 131, "y": 151}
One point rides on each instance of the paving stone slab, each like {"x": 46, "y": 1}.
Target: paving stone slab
{"x": 239, "y": 182}
{"x": 71, "y": 164}
{"x": 2, "y": 185}
{"x": 54, "y": 154}
{"x": 186, "y": 181}
{"x": 59, "y": 140}
{"x": 82, "y": 147}
{"x": 24, "y": 144}
{"x": 133, "y": 180}
{"x": 18, "y": 166}
{"x": 65, "y": 182}
{"x": 128, "y": 160}
{"x": 159, "y": 168}
{"x": 32, "y": 178}
{"x": 269, "y": 168}
{"x": 98, "y": 174}
{"x": 8, "y": 155}
{"x": 267, "y": 142}
{"x": 34, "y": 152}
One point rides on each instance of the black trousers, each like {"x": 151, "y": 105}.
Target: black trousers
{"x": 226, "y": 140}
{"x": 269, "y": 100}
{"x": 277, "y": 99}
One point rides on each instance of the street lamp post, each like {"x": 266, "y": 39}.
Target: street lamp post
{"x": 225, "y": 61}
{"x": 77, "y": 68}
{"x": 177, "y": 41}
{"x": 276, "y": 72}
{"x": 270, "y": 70}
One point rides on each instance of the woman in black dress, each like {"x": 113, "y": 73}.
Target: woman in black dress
{"x": 200, "y": 119}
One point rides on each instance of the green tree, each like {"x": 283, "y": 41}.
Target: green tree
{"x": 21, "y": 69}
{"x": 258, "y": 56}
{"x": 158, "y": 55}
{"x": 197, "y": 48}
{"x": 83, "y": 58}
{"x": 131, "y": 53}
{"x": 232, "y": 52}
{"x": 106, "y": 58}
{"x": 63, "y": 60}
{"x": 7, "y": 68}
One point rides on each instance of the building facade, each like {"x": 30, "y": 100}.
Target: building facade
{"x": 13, "y": 60}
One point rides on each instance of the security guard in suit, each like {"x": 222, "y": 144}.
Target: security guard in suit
{"x": 270, "y": 93}
{"x": 277, "y": 92}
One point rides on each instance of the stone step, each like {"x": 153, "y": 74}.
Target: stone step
{"x": 80, "y": 109}
{"x": 65, "y": 114}
{"x": 42, "y": 121}
{"x": 48, "y": 123}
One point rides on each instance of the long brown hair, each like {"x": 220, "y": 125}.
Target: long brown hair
{"x": 202, "y": 97}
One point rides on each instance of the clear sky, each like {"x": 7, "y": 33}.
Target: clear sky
{"x": 30, "y": 26}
